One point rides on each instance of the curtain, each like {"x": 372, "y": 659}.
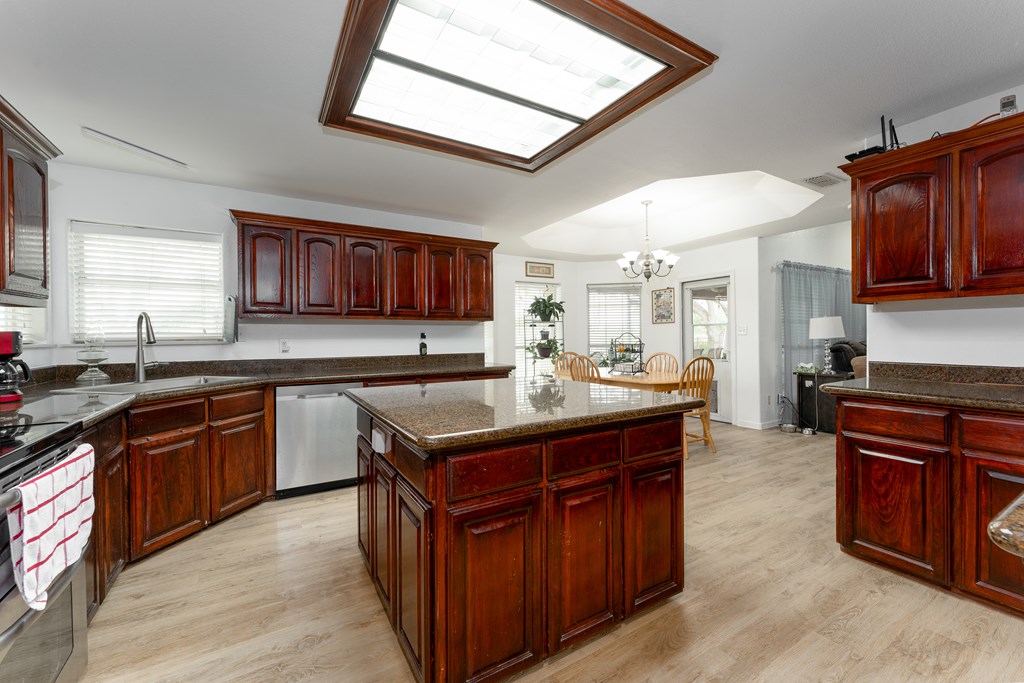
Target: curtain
{"x": 809, "y": 291}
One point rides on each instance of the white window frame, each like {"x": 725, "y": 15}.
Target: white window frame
{"x": 115, "y": 296}
{"x": 30, "y": 321}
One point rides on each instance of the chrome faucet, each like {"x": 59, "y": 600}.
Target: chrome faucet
{"x": 140, "y": 354}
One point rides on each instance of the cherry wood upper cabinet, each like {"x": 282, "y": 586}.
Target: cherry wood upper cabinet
{"x": 993, "y": 217}
{"x": 266, "y": 268}
{"x": 902, "y": 232}
{"x": 363, "y": 292}
{"x": 405, "y": 279}
{"x": 319, "y": 273}
{"x": 477, "y": 289}
{"x": 442, "y": 281}
{"x": 941, "y": 218}
{"x": 23, "y": 205}
{"x": 298, "y": 268}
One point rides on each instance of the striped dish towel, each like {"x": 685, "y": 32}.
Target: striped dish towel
{"x": 51, "y": 525}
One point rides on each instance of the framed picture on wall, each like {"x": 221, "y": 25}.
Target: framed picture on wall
{"x": 535, "y": 269}
{"x": 663, "y": 305}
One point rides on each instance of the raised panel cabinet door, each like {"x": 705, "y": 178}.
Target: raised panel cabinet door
{"x": 170, "y": 496}
{"x": 319, "y": 273}
{"x": 989, "y": 483}
{"x": 414, "y": 579}
{"x": 653, "y": 533}
{"x": 405, "y": 279}
{"x": 902, "y": 232}
{"x": 442, "y": 281}
{"x": 495, "y": 596}
{"x": 24, "y": 271}
{"x": 363, "y": 293}
{"x": 477, "y": 291}
{"x": 236, "y": 465}
{"x": 584, "y": 558}
{"x": 364, "y": 501}
{"x": 895, "y": 504}
{"x": 115, "y": 550}
{"x": 992, "y": 222}
{"x": 266, "y": 271}
{"x": 383, "y": 534}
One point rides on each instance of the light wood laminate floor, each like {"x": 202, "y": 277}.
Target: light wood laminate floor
{"x": 279, "y": 593}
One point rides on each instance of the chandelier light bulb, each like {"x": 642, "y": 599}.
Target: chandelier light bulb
{"x": 647, "y": 263}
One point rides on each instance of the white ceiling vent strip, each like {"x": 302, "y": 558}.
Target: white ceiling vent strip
{"x": 824, "y": 180}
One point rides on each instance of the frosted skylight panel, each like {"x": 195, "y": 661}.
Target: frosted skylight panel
{"x": 520, "y": 47}
{"x": 404, "y": 97}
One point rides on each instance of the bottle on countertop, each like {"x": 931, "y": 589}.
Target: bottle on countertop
{"x": 423, "y": 343}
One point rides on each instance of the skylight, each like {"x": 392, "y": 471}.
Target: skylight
{"x": 514, "y": 82}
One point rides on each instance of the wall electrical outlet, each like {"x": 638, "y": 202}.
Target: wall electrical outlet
{"x": 283, "y": 346}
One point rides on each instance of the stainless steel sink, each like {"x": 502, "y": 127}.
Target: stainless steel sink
{"x": 167, "y": 384}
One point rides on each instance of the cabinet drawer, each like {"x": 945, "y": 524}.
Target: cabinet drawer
{"x": 109, "y": 435}
{"x": 581, "y": 453}
{"x": 233, "y": 405}
{"x": 656, "y": 438}
{"x": 479, "y": 473}
{"x": 909, "y": 422}
{"x": 166, "y": 416}
{"x": 998, "y": 434}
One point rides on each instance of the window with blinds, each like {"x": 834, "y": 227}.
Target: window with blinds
{"x": 31, "y": 322}
{"x": 117, "y": 271}
{"x": 526, "y": 292}
{"x": 611, "y": 311}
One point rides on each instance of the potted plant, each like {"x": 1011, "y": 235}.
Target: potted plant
{"x": 544, "y": 308}
{"x": 543, "y": 349}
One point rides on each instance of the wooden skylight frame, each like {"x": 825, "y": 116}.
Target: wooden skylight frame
{"x": 360, "y": 38}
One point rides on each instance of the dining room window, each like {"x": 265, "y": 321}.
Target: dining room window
{"x": 612, "y": 310}
{"x": 525, "y": 293}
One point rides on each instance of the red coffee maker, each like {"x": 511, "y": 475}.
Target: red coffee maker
{"x": 10, "y": 380}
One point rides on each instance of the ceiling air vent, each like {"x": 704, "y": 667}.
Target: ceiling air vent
{"x": 824, "y": 180}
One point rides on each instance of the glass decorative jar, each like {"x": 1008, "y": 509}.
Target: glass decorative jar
{"x": 92, "y": 355}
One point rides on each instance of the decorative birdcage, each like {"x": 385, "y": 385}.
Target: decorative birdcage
{"x": 626, "y": 354}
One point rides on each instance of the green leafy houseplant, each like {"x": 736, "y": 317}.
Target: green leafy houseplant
{"x": 547, "y": 348}
{"x": 545, "y": 308}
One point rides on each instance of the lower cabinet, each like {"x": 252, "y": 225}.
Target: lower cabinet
{"x": 193, "y": 462}
{"x": 364, "y": 466}
{"x": 414, "y": 579}
{"x": 918, "y": 486}
{"x": 170, "y": 488}
{"x": 382, "y": 535}
{"x": 653, "y": 532}
{"x": 897, "y": 504}
{"x": 495, "y": 600}
{"x": 584, "y": 557}
{"x": 108, "y": 550}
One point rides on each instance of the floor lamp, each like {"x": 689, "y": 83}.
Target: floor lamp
{"x": 826, "y": 328}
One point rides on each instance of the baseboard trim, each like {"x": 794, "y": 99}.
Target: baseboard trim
{"x": 757, "y": 425}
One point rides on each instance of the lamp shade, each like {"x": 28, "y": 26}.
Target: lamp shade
{"x": 826, "y": 328}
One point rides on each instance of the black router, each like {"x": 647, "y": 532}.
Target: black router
{"x": 877, "y": 149}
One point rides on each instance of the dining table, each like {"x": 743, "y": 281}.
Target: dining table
{"x": 653, "y": 381}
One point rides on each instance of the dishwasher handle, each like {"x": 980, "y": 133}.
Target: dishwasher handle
{"x": 308, "y": 397}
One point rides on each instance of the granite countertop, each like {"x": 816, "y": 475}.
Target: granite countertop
{"x": 90, "y": 410}
{"x": 1007, "y": 528}
{"x": 978, "y": 395}
{"x": 438, "y": 417}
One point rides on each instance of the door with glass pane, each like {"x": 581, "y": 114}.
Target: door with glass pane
{"x": 707, "y": 332}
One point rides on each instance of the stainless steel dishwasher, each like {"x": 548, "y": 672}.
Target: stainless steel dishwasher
{"x": 316, "y": 438}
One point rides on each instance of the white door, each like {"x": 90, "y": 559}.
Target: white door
{"x": 707, "y": 332}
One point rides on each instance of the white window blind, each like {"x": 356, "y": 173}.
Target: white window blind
{"x": 31, "y": 322}
{"x": 526, "y": 292}
{"x": 117, "y": 271}
{"x": 611, "y": 311}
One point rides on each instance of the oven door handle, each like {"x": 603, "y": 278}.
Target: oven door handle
{"x": 8, "y": 637}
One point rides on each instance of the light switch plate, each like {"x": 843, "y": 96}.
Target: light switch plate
{"x": 742, "y": 329}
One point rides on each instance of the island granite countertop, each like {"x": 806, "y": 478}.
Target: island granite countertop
{"x": 439, "y": 417}
{"x": 977, "y": 395}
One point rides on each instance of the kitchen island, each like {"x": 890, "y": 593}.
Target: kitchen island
{"x": 502, "y": 522}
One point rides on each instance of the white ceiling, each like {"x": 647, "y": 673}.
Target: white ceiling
{"x": 234, "y": 88}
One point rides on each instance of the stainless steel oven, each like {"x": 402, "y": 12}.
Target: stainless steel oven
{"x": 47, "y": 646}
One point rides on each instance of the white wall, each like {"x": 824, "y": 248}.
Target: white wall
{"x": 969, "y": 330}
{"x": 88, "y": 194}
{"x": 826, "y": 245}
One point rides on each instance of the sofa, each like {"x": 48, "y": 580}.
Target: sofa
{"x": 843, "y": 353}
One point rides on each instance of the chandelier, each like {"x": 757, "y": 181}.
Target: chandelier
{"x": 649, "y": 262}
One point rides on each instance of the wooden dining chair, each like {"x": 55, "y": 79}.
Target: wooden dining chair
{"x": 583, "y": 369}
{"x": 564, "y": 361}
{"x": 696, "y": 381}
{"x": 661, "y": 362}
